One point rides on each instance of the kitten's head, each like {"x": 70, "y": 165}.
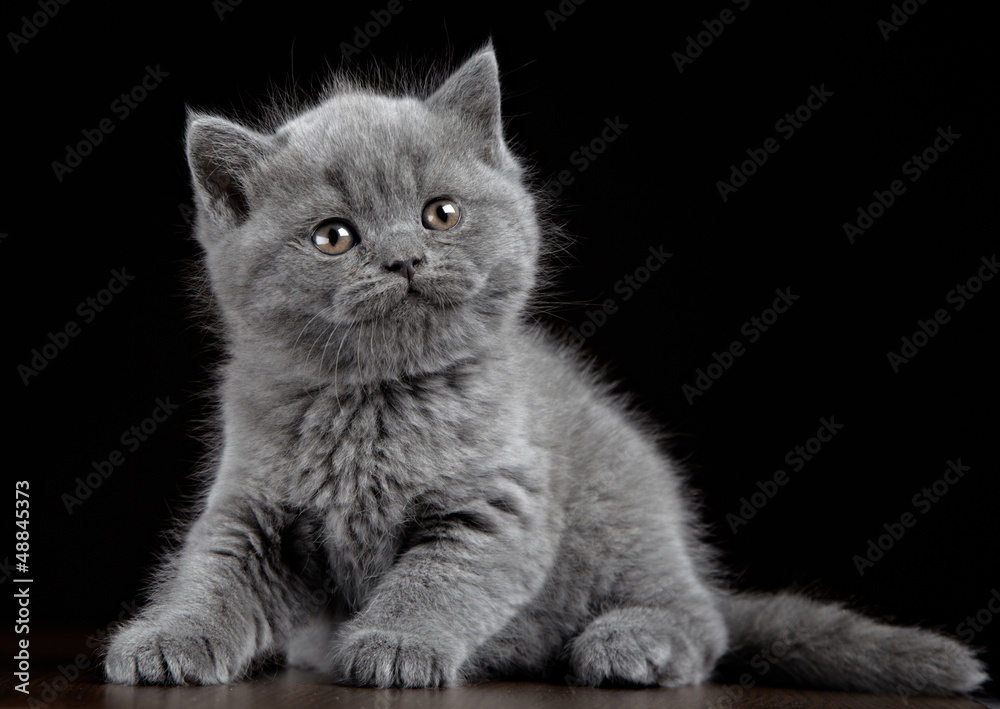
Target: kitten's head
{"x": 373, "y": 235}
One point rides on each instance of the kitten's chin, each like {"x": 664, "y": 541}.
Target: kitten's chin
{"x": 417, "y": 299}
{"x": 418, "y": 335}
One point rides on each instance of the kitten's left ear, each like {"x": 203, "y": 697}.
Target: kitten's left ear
{"x": 473, "y": 94}
{"x": 223, "y": 158}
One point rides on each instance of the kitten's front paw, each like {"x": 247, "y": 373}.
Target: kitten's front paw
{"x": 382, "y": 658}
{"x": 144, "y": 652}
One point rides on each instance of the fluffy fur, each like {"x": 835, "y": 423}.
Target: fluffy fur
{"x": 416, "y": 487}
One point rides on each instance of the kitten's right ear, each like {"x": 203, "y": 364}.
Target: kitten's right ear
{"x": 473, "y": 94}
{"x": 223, "y": 157}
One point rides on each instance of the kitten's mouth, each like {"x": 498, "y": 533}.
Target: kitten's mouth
{"x": 413, "y": 296}
{"x": 417, "y": 298}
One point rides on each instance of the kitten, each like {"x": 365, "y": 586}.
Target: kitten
{"x": 416, "y": 487}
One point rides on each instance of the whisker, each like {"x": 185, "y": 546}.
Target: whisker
{"x": 371, "y": 339}
{"x": 336, "y": 368}
{"x": 302, "y": 331}
{"x": 326, "y": 344}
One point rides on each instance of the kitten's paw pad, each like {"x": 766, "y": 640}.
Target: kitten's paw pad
{"x": 142, "y": 653}
{"x": 608, "y": 655}
{"x": 377, "y": 658}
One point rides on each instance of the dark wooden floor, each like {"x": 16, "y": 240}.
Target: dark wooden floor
{"x": 64, "y": 673}
{"x": 291, "y": 688}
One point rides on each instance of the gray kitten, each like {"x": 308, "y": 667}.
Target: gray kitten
{"x": 416, "y": 487}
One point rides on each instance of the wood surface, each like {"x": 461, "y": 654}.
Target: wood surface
{"x": 293, "y": 688}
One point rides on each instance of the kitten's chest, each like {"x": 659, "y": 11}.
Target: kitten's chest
{"x": 363, "y": 460}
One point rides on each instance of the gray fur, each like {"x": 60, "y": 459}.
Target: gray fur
{"x": 425, "y": 490}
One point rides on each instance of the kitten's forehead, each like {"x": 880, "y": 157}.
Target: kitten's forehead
{"x": 363, "y": 123}
{"x": 377, "y": 153}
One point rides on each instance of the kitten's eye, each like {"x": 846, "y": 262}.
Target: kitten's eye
{"x": 334, "y": 237}
{"x": 441, "y": 214}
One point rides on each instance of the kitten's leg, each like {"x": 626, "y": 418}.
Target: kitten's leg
{"x": 458, "y": 584}
{"x": 228, "y": 598}
{"x": 669, "y": 645}
{"x": 658, "y": 623}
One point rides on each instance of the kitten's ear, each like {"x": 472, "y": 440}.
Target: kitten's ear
{"x": 222, "y": 157}
{"x": 473, "y": 94}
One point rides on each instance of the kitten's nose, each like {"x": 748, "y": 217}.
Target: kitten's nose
{"x": 405, "y": 267}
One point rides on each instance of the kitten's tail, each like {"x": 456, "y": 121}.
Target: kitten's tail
{"x": 793, "y": 639}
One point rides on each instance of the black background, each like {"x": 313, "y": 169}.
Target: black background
{"x": 654, "y": 185}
